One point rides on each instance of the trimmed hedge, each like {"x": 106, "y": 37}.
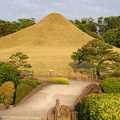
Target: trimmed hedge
{"x": 101, "y": 107}
{"x": 60, "y": 80}
{"x": 26, "y": 86}
{"x": 22, "y": 91}
{"x": 33, "y": 82}
{"x": 111, "y": 85}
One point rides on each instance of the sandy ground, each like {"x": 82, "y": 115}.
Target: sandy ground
{"x": 38, "y": 105}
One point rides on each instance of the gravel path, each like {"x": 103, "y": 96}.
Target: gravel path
{"x": 38, "y": 105}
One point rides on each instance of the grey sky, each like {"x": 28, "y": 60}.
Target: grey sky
{"x": 11, "y": 10}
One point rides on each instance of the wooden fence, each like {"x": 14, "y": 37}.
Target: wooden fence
{"x": 44, "y": 77}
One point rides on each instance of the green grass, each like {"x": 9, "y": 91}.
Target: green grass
{"x": 49, "y": 44}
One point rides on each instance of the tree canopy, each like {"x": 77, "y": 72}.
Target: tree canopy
{"x": 18, "y": 60}
{"x": 7, "y": 27}
{"x": 104, "y": 28}
{"x": 98, "y": 53}
{"x": 112, "y": 37}
{"x": 8, "y": 73}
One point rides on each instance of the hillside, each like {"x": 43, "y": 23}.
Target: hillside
{"x": 49, "y": 44}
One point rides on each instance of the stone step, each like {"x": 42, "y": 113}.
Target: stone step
{"x": 20, "y": 118}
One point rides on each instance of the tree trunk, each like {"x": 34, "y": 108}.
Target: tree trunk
{"x": 98, "y": 73}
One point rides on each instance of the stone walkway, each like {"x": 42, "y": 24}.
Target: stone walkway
{"x": 38, "y": 105}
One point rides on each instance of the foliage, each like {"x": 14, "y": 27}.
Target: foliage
{"x": 84, "y": 68}
{"x": 23, "y": 23}
{"x": 21, "y": 91}
{"x": 18, "y": 60}
{"x": 111, "y": 85}
{"x": 100, "y": 107}
{"x": 60, "y": 80}
{"x": 26, "y": 86}
{"x": 86, "y": 24}
{"x": 33, "y": 82}
{"x": 95, "y": 35}
{"x": 115, "y": 68}
{"x": 98, "y": 53}
{"x": 79, "y": 25}
{"x": 112, "y": 37}
{"x": 8, "y": 73}
{"x": 107, "y": 28}
{"x": 5, "y": 29}
{"x": 7, "y": 91}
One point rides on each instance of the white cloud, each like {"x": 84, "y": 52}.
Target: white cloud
{"x": 71, "y": 9}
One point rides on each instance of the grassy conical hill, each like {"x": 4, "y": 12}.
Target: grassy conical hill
{"x": 54, "y": 29}
{"x": 49, "y": 44}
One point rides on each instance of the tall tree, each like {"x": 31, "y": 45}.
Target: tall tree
{"x": 97, "y": 53}
{"x": 90, "y": 24}
{"x": 107, "y": 23}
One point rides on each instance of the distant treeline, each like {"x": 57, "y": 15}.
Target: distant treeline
{"x": 7, "y": 27}
{"x": 104, "y": 28}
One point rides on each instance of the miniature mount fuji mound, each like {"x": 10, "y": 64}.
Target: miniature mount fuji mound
{"x": 48, "y": 43}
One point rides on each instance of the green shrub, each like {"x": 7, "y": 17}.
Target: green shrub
{"x": 8, "y": 73}
{"x": 60, "y": 80}
{"x": 101, "y": 107}
{"x": 7, "y": 91}
{"x": 33, "y": 82}
{"x": 22, "y": 91}
{"x": 111, "y": 85}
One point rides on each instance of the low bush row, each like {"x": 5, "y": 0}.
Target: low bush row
{"x": 60, "y": 80}
{"x": 26, "y": 86}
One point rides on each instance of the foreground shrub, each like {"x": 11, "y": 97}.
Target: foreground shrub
{"x": 111, "y": 85}
{"x": 101, "y": 107}
{"x": 7, "y": 91}
{"x": 60, "y": 80}
{"x": 22, "y": 91}
{"x": 33, "y": 82}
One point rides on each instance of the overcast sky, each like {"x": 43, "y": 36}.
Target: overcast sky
{"x": 11, "y": 10}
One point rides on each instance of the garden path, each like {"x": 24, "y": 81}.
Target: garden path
{"x": 36, "y": 107}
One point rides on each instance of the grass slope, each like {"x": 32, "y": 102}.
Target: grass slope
{"x": 49, "y": 44}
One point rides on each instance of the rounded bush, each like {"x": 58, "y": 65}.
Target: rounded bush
{"x": 7, "y": 91}
{"x": 111, "y": 85}
{"x": 22, "y": 91}
{"x": 60, "y": 80}
{"x": 101, "y": 107}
